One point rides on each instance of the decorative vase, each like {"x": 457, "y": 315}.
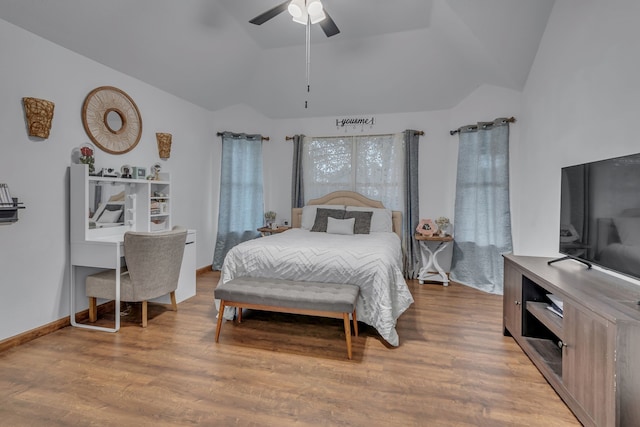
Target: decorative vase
{"x": 164, "y": 145}
{"x": 39, "y": 114}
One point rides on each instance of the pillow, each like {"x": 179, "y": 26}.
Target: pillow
{"x": 628, "y": 230}
{"x": 363, "y": 221}
{"x": 322, "y": 215}
{"x": 309, "y": 214}
{"x": 110, "y": 216}
{"x": 340, "y": 226}
{"x": 380, "y": 220}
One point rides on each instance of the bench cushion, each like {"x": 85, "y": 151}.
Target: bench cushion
{"x": 333, "y": 297}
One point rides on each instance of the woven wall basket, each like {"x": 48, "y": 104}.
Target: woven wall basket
{"x": 164, "y": 145}
{"x": 39, "y": 114}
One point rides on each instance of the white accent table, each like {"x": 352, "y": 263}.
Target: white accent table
{"x": 431, "y": 270}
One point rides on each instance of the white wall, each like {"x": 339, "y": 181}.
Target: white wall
{"x": 581, "y": 103}
{"x": 34, "y": 250}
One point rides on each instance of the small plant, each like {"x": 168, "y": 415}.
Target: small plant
{"x": 86, "y": 157}
{"x": 270, "y": 216}
{"x": 442, "y": 221}
{"x": 443, "y": 224}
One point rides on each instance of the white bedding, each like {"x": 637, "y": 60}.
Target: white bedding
{"x": 371, "y": 261}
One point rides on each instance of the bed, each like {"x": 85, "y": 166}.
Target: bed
{"x": 372, "y": 261}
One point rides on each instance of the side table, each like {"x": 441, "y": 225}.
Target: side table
{"x": 267, "y": 231}
{"x": 430, "y": 258}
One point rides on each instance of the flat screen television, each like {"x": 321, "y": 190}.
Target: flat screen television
{"x": 600, "y": 214}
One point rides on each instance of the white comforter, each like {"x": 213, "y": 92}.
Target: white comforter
{"x": 371, "y": 261}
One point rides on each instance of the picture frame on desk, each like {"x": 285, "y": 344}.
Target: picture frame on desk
{"x": 139, "y": 172}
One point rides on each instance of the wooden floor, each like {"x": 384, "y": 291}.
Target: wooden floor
{"x": 453, "y": 368}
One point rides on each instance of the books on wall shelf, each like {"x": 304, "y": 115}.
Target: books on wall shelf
{"x": 5, "y": 196}
{"x": 555, "y": 305}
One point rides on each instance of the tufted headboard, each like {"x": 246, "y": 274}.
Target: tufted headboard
{"x": 348, "y": 198}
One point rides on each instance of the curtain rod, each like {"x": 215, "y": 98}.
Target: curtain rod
{"x": 453, "y": 132}
{"x": 289, "y": 138}
{"x": 264, "y": 138}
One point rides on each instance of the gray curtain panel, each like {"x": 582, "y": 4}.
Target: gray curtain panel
{"x": 297, "y": 181}
{"x": 241, "y": 207}
{"x": 411, "y": 205}
{"x": 482, "y": 214}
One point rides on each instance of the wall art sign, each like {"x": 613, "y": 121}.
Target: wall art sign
{"x": 355, "y": 122}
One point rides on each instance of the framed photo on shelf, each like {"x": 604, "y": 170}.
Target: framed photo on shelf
{"x": 139, "y": 173}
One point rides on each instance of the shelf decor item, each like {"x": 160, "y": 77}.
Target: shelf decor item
{"x": 443, "y": 224}
{"x": 427, "y": 228}
{"x": 86, "y": 157}
{"x": 164, "y": 145}
{"x": 112, "y": 120}
{"x": 39, "y": 114}
{"x": 270, "y": 217}
{"x": 155, "y": 171}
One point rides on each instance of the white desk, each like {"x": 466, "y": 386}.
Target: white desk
{"x": 107, "y": 252}
{"x": 430, "y": 258}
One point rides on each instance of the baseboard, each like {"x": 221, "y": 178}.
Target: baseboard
{"x": 62, "y": 323}
{"x": 40, "y": 331}
{"x": 203, "y": 270}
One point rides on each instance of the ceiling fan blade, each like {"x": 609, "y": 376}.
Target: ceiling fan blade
{"x": 271, "y": 13}
{"x": 328, "y": 26}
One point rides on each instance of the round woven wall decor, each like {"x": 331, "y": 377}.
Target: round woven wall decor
{"x": 112, "y": 120}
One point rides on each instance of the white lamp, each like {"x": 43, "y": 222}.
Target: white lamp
{"x": 315, "y": 10}
{"x": 296, "y": 9}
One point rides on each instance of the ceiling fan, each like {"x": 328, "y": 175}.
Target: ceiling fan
{"x": 304, "y": 12}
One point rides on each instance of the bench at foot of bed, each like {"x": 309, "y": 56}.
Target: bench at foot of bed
{"x": 336, "y": 300}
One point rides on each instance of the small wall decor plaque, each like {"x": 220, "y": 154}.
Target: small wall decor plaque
{"x": 39, "y": 114}
{"x": 355, "y": 122}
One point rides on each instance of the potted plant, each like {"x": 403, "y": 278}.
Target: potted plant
{"x": 269, "y": 217}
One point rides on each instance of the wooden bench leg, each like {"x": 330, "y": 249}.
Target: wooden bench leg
{"x": 347, "y": 332}
{"x": 174, "y": 305}
{"x": 220, "y": 316}
{"x": 239, "y": 314}
{"x": 144, "y": 314}
{"x": 355, "y": 323}
{"x": 93, "y": 309}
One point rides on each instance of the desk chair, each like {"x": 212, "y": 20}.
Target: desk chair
{"x": 153, "y": 265}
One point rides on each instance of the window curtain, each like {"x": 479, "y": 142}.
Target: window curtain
{"x": 411, "y": 216}
{"x": 241, "y": 207}
{"x": 297, "y": 180}
{"x": 482, "y": 214}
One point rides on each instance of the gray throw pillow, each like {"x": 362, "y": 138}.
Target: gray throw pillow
{"x": 320, "y": 224}
{"x": 363, "y": 221}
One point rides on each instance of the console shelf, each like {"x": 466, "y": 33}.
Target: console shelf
{"x": 541, "y": 312}
{"x": 590, "y": 355}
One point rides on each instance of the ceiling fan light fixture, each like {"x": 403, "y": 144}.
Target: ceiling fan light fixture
{"x": 314, "y": 7}
{"x": 317, "y": 17}
{"x": 302, "y": 19}
{"x": 297, "y": 9}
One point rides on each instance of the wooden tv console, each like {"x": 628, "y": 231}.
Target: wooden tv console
{"x": 591, "y": 355}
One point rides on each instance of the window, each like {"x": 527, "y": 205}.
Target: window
{"x": 372, "y": 165}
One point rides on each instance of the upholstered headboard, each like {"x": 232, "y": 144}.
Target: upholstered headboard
{"x": 348, "y": 198}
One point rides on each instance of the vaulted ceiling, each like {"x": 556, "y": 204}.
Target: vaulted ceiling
{"x": 390, "y": 56}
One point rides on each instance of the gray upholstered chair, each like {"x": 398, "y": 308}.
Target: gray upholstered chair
{"x": 153, "y": 265}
